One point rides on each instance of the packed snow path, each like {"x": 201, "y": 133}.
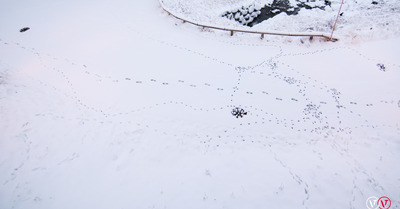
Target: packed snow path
{"x": 102, "y": 109}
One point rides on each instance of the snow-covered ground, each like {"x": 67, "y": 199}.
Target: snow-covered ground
{"x": 359, "y": 21}
{"x": 118, "y": 105}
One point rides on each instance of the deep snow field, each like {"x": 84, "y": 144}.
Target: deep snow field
{"x": 116, "y": 104}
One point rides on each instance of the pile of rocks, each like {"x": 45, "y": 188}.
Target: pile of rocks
{"x": 244, "y": 15}
{"x": 256, "y": 13}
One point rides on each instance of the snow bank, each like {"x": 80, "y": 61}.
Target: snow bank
{"x": 360, "y": 20}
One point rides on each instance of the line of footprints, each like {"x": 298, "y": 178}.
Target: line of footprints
{"x": 269, "y": 68}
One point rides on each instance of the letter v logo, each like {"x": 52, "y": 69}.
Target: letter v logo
{"x": 384, "y": 202}
{"x": 372, "y": 202}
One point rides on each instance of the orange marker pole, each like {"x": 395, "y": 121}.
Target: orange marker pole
{"x": 336, "y": 20}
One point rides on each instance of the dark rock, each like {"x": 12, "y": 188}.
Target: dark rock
{"x": 24, "y": 29}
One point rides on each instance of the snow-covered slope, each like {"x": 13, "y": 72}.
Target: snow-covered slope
{"x": 359, "y": 20}
{"x": 118, "y": 105}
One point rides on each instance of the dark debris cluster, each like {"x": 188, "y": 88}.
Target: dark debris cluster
{"x": 381, "y": 67}
{"x": 238, "y": 112}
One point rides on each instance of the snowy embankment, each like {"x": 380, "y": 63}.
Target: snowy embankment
{"x": 359, "y": 20}
{"x": 244, "y": 20}
{"x": 101, "y": 109}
